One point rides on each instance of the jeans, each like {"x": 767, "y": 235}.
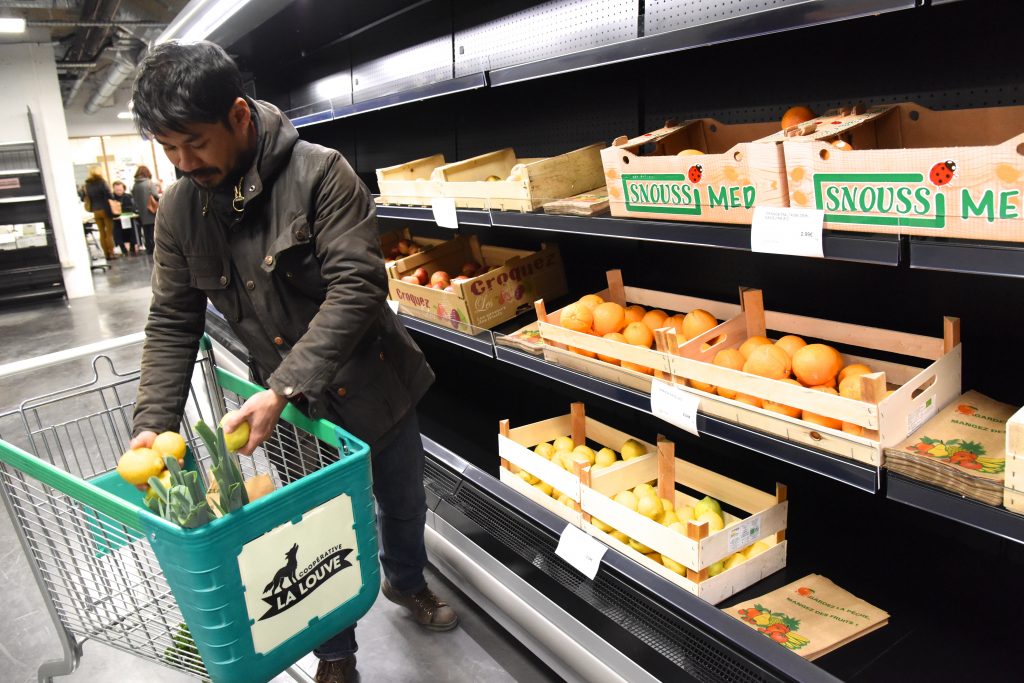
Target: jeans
{"x": 397, "y": 463}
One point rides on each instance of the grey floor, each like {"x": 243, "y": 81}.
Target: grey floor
{"x": 392, "y": 647}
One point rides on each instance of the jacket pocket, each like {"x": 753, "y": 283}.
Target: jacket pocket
{"x": 212, "y": 274}
{"x": 292, "y": 261}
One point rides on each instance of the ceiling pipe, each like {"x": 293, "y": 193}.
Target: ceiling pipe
{"x": 77, "y": 23}
{"x": 75, "y": 89}
{"x": 117, "y": 73}
{"x": 67, "y": 66}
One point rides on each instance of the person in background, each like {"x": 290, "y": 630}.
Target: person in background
{"x": 98, "y": 192}
{"x": 144, "y": 189}
{"x": 125, "y": 236}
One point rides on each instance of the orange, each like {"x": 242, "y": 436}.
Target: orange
{"x": 843, "y": 146}
{"x": 817, "y": 364}
{"x": 752, "y": 343}
{"x": 591, "y": 301}
{"x": 654, "y": 319}
{"x": 796, "y": 115}
{"x": 614, "y": 336}
{"x": 791, "y": 344}
{"x": 637, "y": 368}
{"x": 851, "y": 428}
{"x": 608, "y": 317}
{"x": 729, "y": 358}
{"x": 814, "y": 418}
{"x": 697, "y": 322}
{"x": 747, "y": 398}
{"x": 635, "y": 314}
{"x": 855, "y": 369}
{"x": 576, "y": 317}
{"x": 788, "y": 411}
{"x": 638, "y": 334}
{"x": 583, "y": 352}
{"x": 675, "y": 322}
{"x": 702, "y": 386}
{"x": 768, "y": 361}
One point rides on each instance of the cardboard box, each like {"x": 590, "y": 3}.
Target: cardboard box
{"x": 516, "y": 279}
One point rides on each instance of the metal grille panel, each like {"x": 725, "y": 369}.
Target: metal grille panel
{"x": 547, "y": 30}
{"x": 672, "y": 15}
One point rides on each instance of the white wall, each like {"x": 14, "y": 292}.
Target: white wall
{"x": 28, "y": 79}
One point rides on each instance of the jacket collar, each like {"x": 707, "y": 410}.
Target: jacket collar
{"x": 276, "y": 136}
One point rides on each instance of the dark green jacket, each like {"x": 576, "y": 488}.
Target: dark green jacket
{"x": 299, "y": 276}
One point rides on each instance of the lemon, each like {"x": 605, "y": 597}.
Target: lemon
{"x": 667, "y": 505}
{"x": 170, "y": 444}
{"x": 632, "y": 449}
{"x": 707, "y": 504}
{"x": 650, "y": 507}
{"x": 584, "y": 453}
{"x": 644, "y": 490}
{"x": 654, "y": 557}
{"x": 756, "y": 549}
{"x": 605, "y": 457}
{"x": 716, "y": 569}
{"x": 528, "y": 478}
{"x": 673, "y": 566}
{"x": 601, "y": 525}
{"x": 620, "y": 537}
{"x": 685, "y": 513}
{"x": 678, "y": 527}
{"x": 714, "y": 521}
{"x": 669, "y": 518}
{"x": 627, "y": 499}
{"x": 544, "y": 450}
{"x": 139, "y": 464}
{"x": 735, "y": 560}
{"x": 543, "y": 488}
{"x": 565, "y": 500}
{"x": 639, "y": 547}
{"x": 563, "y": 443}
{"x": 238, "y": 438}
{"x": 165, "y": 479}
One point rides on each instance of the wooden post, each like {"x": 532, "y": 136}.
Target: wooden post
{"x": 950, "y": 333}
{"x": 781, "y": 493}
{"x": 616, "y": 289}
{"x": 696, "y": 532}
{"x": 503, "y": 430}
{"x": 872, "y": 390}
{"x": 1014, "y": 491}
{"x": 583, "y": 472}
{"x": 542, "y": 312}
{"x": 666, "y": 469}
{"x": 579, "y": 424}
{"x": 752, "y": 302}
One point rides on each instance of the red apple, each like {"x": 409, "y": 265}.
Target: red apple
{"x": 440, "y": 276}
{"x": 459, "y": 278}
{"x": 437, "y": 285}
{"x": 450, "y": 289}
{"x": 394, "y": 253}
{"x": 423, "y": 276}
{"x": 470, "y": 268}
{"x": 411, "y": 279}
{"x": 403, "y": 247}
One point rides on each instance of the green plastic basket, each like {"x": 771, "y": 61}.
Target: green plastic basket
{"x": 268, "y": 583}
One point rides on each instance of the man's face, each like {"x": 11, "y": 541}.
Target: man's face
{"x": 118, "y": 191}
{"x": 210, "y": 153}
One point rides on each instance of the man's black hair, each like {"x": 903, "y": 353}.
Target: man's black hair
{"x": 184, "y": 83}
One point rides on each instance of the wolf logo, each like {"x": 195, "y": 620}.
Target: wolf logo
{"x": 285, "y": 572}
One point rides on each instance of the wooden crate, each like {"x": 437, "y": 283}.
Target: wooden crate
{"x": 884, "y": 421}
{"x": 410, "y": 184}
{"x": 698, "y": 549}
{"x": 1013, "y": 495}
{"x": 899, "y": 177}
{"x": 518, "y": 278}
{"x": 519, "y": 184}
{"x": 558, "y": 340}
{"x": 389, "y": 241}
{"x": 515, "y": 447}
{"x": 735, "y": 173}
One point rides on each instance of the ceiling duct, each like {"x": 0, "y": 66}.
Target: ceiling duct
{"x": 119, "y": 70}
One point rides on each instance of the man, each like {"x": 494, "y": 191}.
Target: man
{"x": 125, "y": 237}
{"x": 281, "y": 236}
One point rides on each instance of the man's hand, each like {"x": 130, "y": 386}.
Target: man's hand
{"x": 143, "y": 440}
{"x": 261, "y": 411}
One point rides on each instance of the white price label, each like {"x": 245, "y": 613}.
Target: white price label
{"x": 743, "y": 534}
{"x": 795, "y": 232}
{"x": 675, "y": 406}
{"x": 444, "y": 212}
{"x": 922, "y": 414}
{"x": 394, "y": 306}
{"x": 581, "y": 551}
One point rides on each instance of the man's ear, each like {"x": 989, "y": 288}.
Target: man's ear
{"x": 239, "y": 115}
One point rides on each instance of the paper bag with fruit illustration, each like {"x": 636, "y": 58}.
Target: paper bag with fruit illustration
{"x": 969, "y": 436}
{"x": 811, "y": 617}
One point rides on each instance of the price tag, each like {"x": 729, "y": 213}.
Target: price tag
{"x": 394, "y": 306}
{"x": 743, "y": 534}
{"x": 675, "y": 406}
{"x": 795, "y": 232}
{"x": 444, "y": 212}
{"x": 581, "y": 551}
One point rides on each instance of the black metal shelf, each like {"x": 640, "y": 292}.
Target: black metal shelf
{"x": 482, "y": 343}
{"x": 828, "y": 465}
{"x": 965, "y": 256}
{"x": 705, "y": 616}
{"x": 987, "y": 518}
{"x": 748, "y": 25}
{"x": 841, "y": 246}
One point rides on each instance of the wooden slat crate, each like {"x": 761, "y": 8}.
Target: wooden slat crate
{"x": 722, "y": 185}
{"x": 1013, "y": 496}
{"x": 765, "y": 520}
{"x": 878, "y": 421}
{"x": 410, "y": 184}
{"x": 517, "y": 279}
{"x": 914, "y": 171}
{"x": 503, "y": 182}
{"x": 557, "y": 338}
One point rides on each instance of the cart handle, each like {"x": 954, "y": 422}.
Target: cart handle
{"x": 82, "y": 491}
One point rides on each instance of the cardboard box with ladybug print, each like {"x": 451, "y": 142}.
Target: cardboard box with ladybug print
{"x": 507, "y": 283}
{"x": 912, "y": 171}
{"x": 697, "y": 171}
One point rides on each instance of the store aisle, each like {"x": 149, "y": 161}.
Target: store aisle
{"x": 392, "y": 647}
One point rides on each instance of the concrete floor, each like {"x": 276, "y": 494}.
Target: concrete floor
{"x": 392, "y": 647}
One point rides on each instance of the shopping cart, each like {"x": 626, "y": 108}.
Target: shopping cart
{"x": 224, "y": 602}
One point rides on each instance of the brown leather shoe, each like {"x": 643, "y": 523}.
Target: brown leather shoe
{"x": 338, "y": 671}
{"x": 427, "y": 609}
